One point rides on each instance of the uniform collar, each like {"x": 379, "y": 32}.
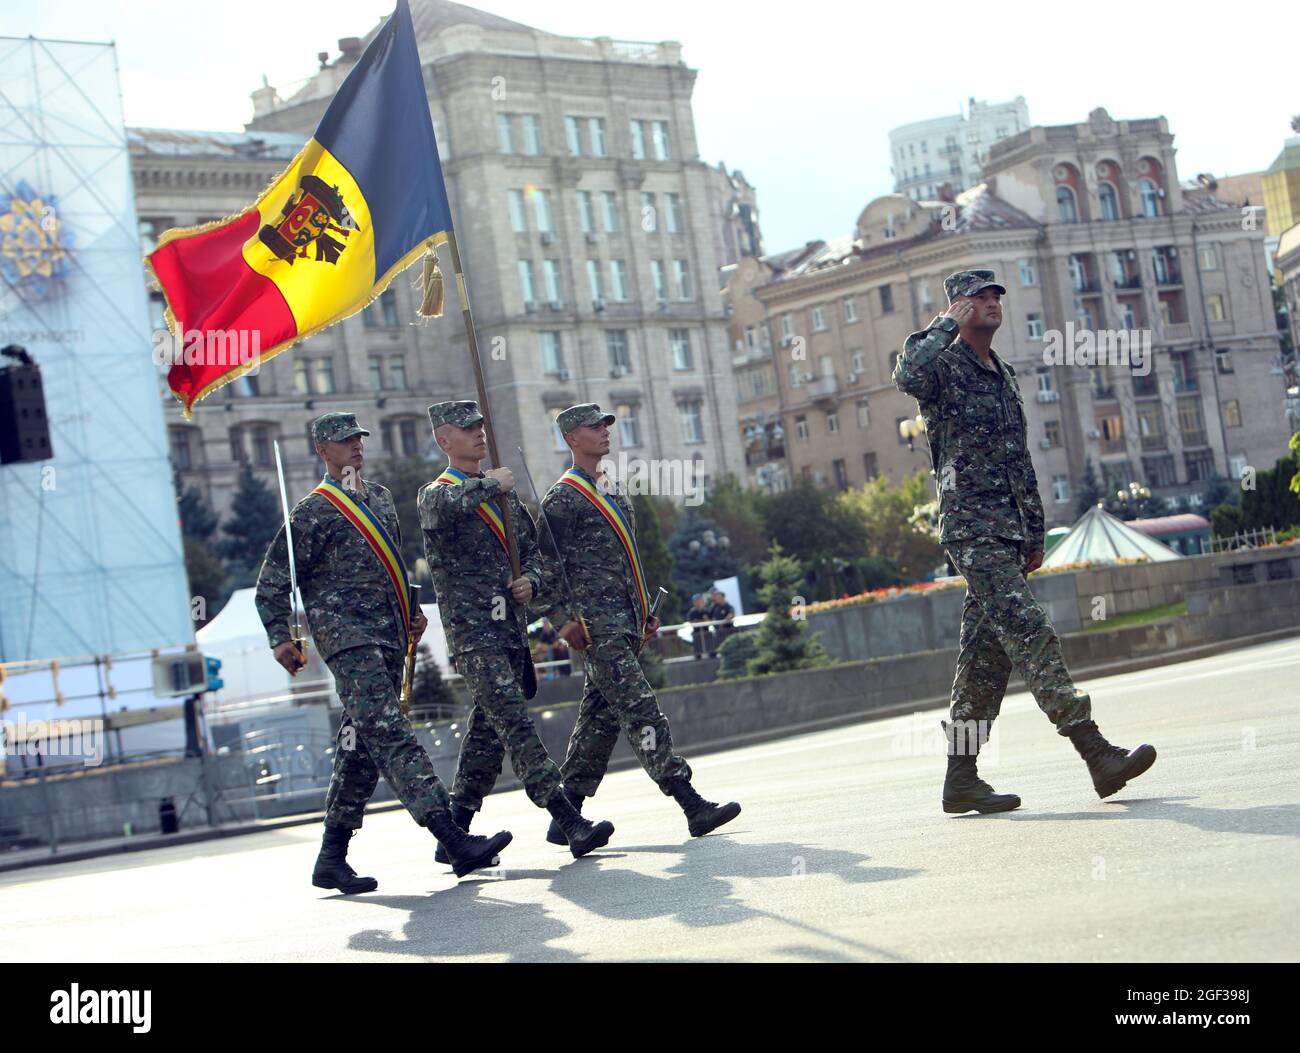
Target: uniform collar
{"x": 970, "y": 353}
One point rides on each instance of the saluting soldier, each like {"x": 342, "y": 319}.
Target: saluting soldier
{"x": 991, "y": 521}
{"x": 347, "y": 550}
{"x": 594, "y": 529}
{"x": 484, "y": 612}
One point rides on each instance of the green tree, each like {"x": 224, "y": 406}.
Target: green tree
{"x": 656, "y": 560}
{"x": 429, "y": 691}
{"x": 1090, "y": 491}
{"x": 738, "y": 512}
{"x": 810, "y": 524}
{"x": 255, "y": 516}
{"x": 700, "y": 554}
{"x": 736, "y": 652}
{"x": 1273, "y": 502}
{"x": 198, "y": 521}
{"x": 404, "y": 476}
{"x": 207, "y": 579}
{"x": 888, "y": 515}
{"x": 652, "y": 665}
{"x": 782, "y": 642}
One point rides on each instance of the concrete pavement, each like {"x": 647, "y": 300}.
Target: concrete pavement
{"x": 841, "y": 854}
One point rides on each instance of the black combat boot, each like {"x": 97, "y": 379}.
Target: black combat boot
{"x": 963, "y": 789}
{"x": 462, "y": 817}
{"x": 582, "y": 835}
{"x": 555, "y": 832}
{"x": 332, "y": 870}
{"x": 467, "y": 852}
{"x": 1111, "y": 767}
{"x": 701, "y": 815}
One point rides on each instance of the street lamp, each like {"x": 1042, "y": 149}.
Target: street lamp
{"x": 1134, "y": 495}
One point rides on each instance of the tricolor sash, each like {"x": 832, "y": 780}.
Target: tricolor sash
{"x": 488, "y": 510}
{"x": 370, "y": 528}
{"x": 614, "y": 516}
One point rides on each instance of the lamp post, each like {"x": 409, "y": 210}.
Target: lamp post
{"x": 1133, "y": 496}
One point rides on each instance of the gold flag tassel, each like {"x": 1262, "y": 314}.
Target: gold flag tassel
{"x": 4, "y": 700}
{"x": 430, "y": 285}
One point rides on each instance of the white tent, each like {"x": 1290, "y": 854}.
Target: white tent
{"x": 236, "y": 636}
{"x": 1098, "y": 537}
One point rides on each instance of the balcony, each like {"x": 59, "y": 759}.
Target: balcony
{"x": 1195, "y": 438}
{"x": 821, "y": 389}
{"x": 1168, "y": 275}
{"x": 1176, "y": 330}
{"x": 1153, "y": 442}
{"x": 1128, "y": 281}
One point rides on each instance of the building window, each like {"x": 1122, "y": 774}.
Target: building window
{"x": 864, "y": 415}
{"x": 1191, "y": 422}
{"x": 649, "y": 213}
{"x": 870, "y": 465}
{"x": 1034, "y": 326}
{"x": 801, "y": 428}
{"x": 397, "y": 372}
{"x": 324, "y": 376}
{"x": 691, "y": 415}
{"x": 505, "y": 134}
{"x": 518, "y": 218}
{"x": 594, "y": 283}
{"x": 620, "y": 362}
{"x": 638, "y": 139}
{"x": 787, "y": 328}
{"x": 1214, "y": 307}
{"x": 1065, "y": 204}
{"x": 1159, "y": 471}
{"x": 850, "y": 310}
{"x": 682, "y": 277}
{"x": 660, "y": 282}
{"x": 858, "y": 362}
{"x": 681, "y": 345}
{"x": 542, "y": 206}
{"x": 238, "y": 453}
{"x": 1150, "y": 198}
{"x": 832, "y": 423}
{"x": 1052, "y": 429}
{"x": 674, "y": 213}
{"x": 262, "y": 456}
{"x": 1209, "y": 257}
{"x": 1043, "y": 376}
{"x": 382, "y": 312}
{"x": 552, "y": 353}
{"x": 629, "y": 429}
{"x": 1060, "y": 489}
{"x": 796, "y": 375}
{"x": 659, "y": 134}
{"x": 841, "y": 474}
{"x": 818, "y": 319}
{"x": 551, "y": 276}
{"x": 585, "y": 216}
{"x": 1231, "y": 414}
{"x": 1028, "y": 275}
{"x": 886, "y": 299}
{"x": 180, "y": 443}
{"x": 376, "y": 364}
{"x": 1200, "y": 466}
{"x": 558, "y": 436}
{"x": 610, "y": 200}
{"x": 410, "y": 443}
{"x": 526, "y": 287}
{"x": 532, "y": 134}
{"x": 301, "y": 376}
{"x": 922, "y": 289}
{"x": 596, "y": 132}
{"x": 618, "y": 272}
{"x": 573, "y": 137}
{"x": 1109, "y": 201}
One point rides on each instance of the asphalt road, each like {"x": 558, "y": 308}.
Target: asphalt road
{"x": 841, "y": 854}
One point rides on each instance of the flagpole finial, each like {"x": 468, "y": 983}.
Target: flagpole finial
{"x": 430, "y": 285}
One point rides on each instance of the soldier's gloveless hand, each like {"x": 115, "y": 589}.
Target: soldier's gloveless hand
{"x": 288, "y": 655}
{"x": 418, "y": 623}
{"x": 960, "y": 311}
{"x": 1033, "y": 560}
{"x": 504, "y": 476}
{"x": 521, "y": 589}
{"x": 573, "y": 634}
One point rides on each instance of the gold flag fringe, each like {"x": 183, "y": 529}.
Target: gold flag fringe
{"x": 430, "y": 284}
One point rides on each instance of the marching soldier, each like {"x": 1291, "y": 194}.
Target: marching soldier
{"x": 991, "y": 518}
{"x": 347, "y": 550}
{"x": 484, "y": 612}
{"x": 607, "y": 618}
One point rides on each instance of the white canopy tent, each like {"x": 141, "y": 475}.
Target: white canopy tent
{"x": 1098, "y": 537}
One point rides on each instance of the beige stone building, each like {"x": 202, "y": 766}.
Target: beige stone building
{"x": 1090, "y": 231}
{"x": 585, "y": 222}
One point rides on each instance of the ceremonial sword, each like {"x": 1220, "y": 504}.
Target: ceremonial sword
{"x": 559, "y": 556}
{"x": 295, "y": 619}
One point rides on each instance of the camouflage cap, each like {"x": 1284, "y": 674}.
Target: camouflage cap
{"x": 461, "y": 414}
{"x": 968, "y": 283}
{"x": 581, "y": 416}
{"x": 335, "y": 427}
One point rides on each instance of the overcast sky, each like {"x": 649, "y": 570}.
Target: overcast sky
{"x": 800, "y": 97}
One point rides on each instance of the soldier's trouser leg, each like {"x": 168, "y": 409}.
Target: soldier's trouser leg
{"x": 983, "y": 670}
{"x": 493, "y": 678}
{"x": 613, "y": 668}
{"x": 992, "y": 569}
{"x": 479, "y": 763}
{"x": 595, "y": 733}
{"x": 368, "y": 679}
{"x": 353, "y": 780}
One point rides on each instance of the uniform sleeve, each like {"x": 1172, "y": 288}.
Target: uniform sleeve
{"x": 1033, "y": 507}
{"x": 439, "y": 503}
{"x": 554, "y": 602}
{"x": 530, "y": 555}
{"x": 271, "y": 596}
{"x": 914, "y": 373}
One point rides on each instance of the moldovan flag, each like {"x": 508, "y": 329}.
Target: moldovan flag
{"x": 362, "y": 201}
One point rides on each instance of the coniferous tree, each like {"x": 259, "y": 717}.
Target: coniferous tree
{"x": 782, "y": 642}
{"x": 255, "y": 516}
{"x": 1090, "y": 489}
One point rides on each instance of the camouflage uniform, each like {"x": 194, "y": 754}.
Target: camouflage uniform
{"x": 486, "y": 630}
{"x": 356, "y": 624}
{"x": 990, "y": 516}
{"x": 616, "y": 694}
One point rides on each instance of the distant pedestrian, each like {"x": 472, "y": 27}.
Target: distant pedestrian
{"x": 723, "y": 614}
{"x": 699, "y": 612}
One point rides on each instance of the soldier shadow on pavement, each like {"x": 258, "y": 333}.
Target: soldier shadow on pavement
{"x": 1262, "y": 819}
{"x": 465, "y": 921}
